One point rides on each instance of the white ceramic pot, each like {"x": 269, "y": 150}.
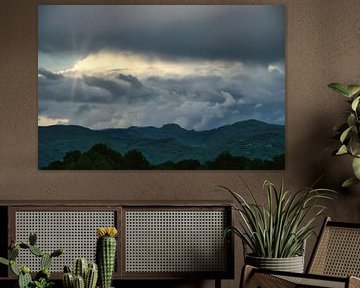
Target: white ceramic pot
{"x": 291, "y": 264}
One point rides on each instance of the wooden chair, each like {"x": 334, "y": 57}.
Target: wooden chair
{"x": 335, "y": 262}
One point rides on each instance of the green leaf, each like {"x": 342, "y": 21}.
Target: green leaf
{"x": 340, "y": 88}
{"x": 14, "y": 268}
{"x": 345, "y": 134}
{"x": 349, "y": 182}
{"x": 353, "y": 89}
{"x": 351, "y": 120}
{"x": 4, "y": 261}
{"x": 356, "y": 167}
{"x": 342, "y": 150}
{"x": 355, "y": 103}
{"x": 355, "y": 145}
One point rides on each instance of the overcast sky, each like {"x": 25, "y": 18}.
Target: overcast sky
{"x": 198, "y": 66}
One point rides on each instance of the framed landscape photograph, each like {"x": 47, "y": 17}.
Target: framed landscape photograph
{"x": 161, "y": 87}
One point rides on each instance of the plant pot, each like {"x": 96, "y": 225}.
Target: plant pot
{"x": 291, "y": 264}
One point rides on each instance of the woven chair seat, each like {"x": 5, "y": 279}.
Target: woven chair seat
{"x": 313, "y": 282}
{"x": 335, "y": 262}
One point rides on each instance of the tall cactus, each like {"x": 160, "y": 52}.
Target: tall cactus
{"x": 106, "y": 254}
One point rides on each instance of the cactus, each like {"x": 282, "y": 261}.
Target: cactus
{"x": 45, "y": 261}
{"x": 106, "y": 254}
{"x": 13, "y": 253}
{"x": 68, "y": 280}
{"x": 42, "y": 278}
{"x": 32, "y": 238}
{"x": 57, "y": 252}
{"x": 36, "y": 251}
{"x": 24, "y": 280}
{"x": 14, "y": 268}
{"x": 90, "y": 272}
{"x": 79, "y": 282}
{"x": 24, "y": 245}
{"x": 91, "y": 276}
{"x": 44, "y": 273}
{"x": 80, "y": 267}
{"x": 67, "y": 269}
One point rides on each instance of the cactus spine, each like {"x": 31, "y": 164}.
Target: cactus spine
{"x": 106, "y": 254}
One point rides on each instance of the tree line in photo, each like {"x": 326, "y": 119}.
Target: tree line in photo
{"x": 101, "y": 157}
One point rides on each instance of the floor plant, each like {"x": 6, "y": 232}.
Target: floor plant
{"x": 279, "y": 228}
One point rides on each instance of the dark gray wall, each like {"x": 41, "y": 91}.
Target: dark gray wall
{"x": 322, "y": 46}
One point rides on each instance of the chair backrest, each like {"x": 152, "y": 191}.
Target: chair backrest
{"x": 337, "y": 251}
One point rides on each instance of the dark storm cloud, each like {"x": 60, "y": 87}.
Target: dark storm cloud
{"x": 198, "y": 88}
{"x": 194, "y": 102}
{"x": 91, "y": 89}
{"x": 251, "y": 33}
{"x": 114, "y": 88}
{"x": 131, "y": 79}
{"x": 68, "y": 89}
{"x": 49, "y": 75}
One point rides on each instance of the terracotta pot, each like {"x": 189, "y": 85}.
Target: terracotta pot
{"x": 291, "y": 264}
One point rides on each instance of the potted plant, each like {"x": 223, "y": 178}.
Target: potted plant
{"x": 42, "y": 278}
{"x": 348, "y": 132}
{"x": 106, "y": 254}
{"x": 84, "y": 274}
{"x": 276, "y": 233}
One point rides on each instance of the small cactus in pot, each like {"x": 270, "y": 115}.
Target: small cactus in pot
{"x": 85, "y": 275}
{"x": 106, "y": 254}
{"x": 42, "y": 278}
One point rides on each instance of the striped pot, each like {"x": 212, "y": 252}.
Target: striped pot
{"x": 291, "y": 264}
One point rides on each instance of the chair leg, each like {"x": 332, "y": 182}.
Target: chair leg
{"x": 250, "y": 278}
{"x": 246, "y": 274}
{"x": 354, "y": 282}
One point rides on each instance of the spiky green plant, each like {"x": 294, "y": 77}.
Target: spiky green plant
{"x": 348, "y": 132}
{"x": 80, "y": 267}
{"x": 106, "y": 254}
{"x": 79, "y": 282}
{"x": 91, "y": 276}
{"x": 85, "y": 274}
{"x": 279, "y": 229}
{"x": 42, "y": 278}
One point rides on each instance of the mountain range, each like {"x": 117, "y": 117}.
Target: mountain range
{"x": 250, "y": 138}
